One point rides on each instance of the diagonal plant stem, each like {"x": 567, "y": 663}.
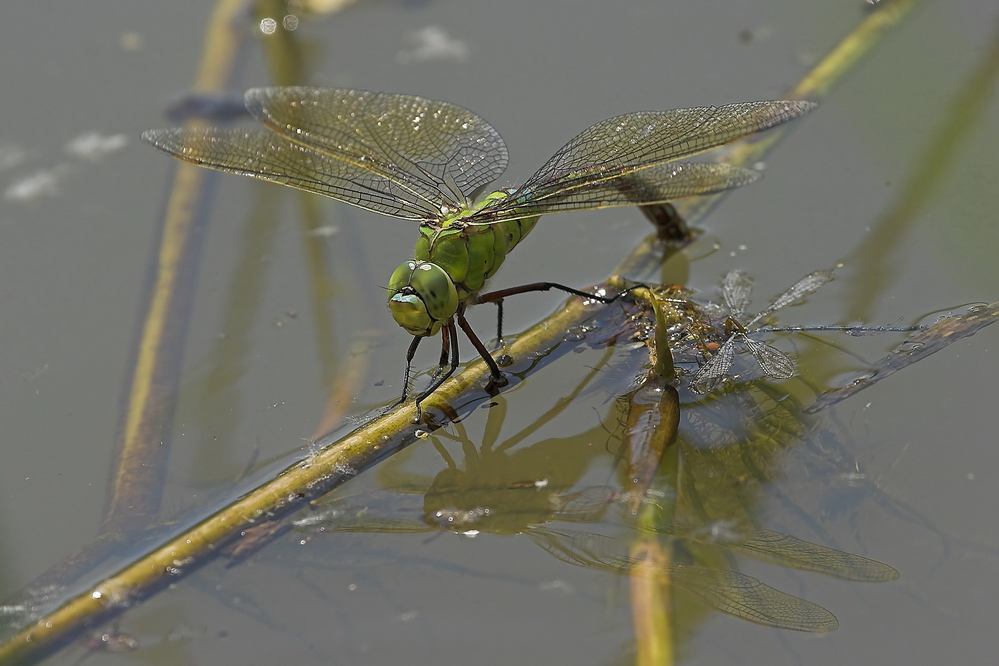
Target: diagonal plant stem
{"x": 134, "y": 493}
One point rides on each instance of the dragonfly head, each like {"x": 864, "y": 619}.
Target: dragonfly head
{"x": 422, "y": 297}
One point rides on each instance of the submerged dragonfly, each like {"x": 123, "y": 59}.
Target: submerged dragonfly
{"x": 424, "y": 160}
{"x": 775, "y": 364}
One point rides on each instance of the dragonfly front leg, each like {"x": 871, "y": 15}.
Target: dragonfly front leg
{"x": 449, "y": 342}
{"x": 409, "y": 368}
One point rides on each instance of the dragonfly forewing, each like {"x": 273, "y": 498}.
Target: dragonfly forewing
{"x": 592, "y": 169}
{"x": 648, "y": 138}
{"x": 271, "y": 157}
{"x": 437, "y": 142}
{"x": 795, "y": 294}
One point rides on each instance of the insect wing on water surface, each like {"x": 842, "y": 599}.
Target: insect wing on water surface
{"x": 774, "y": 363}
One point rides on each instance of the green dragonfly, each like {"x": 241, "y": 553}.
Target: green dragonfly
{"x": 424, "y": 160}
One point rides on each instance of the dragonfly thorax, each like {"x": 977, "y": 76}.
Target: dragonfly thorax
{"x": 470, "y": 252}
{"x": 451, "y": 263}
{"x": 422, "y": 296}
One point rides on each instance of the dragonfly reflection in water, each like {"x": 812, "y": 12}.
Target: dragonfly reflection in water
{"x": 426, "y": 161}
{"x": 527, "y": 507}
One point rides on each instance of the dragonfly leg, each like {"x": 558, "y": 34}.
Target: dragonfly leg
{"x": 409, "y": 368}
{"x": 450, "y": 336}
{"x": 499, "y": 324}
{"x": 497, "y": 379}
{"x": 500, "y": 294}
{"x": 450, "y": 342}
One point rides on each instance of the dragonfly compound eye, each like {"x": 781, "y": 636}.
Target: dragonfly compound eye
{"x": 422, "y": 297}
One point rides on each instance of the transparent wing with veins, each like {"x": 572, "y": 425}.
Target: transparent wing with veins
{"x": 630, "y": 160}
{"x": 420, "y": 159}
{"x": 399, "y": 155}
{"x": 774, "y": 363}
